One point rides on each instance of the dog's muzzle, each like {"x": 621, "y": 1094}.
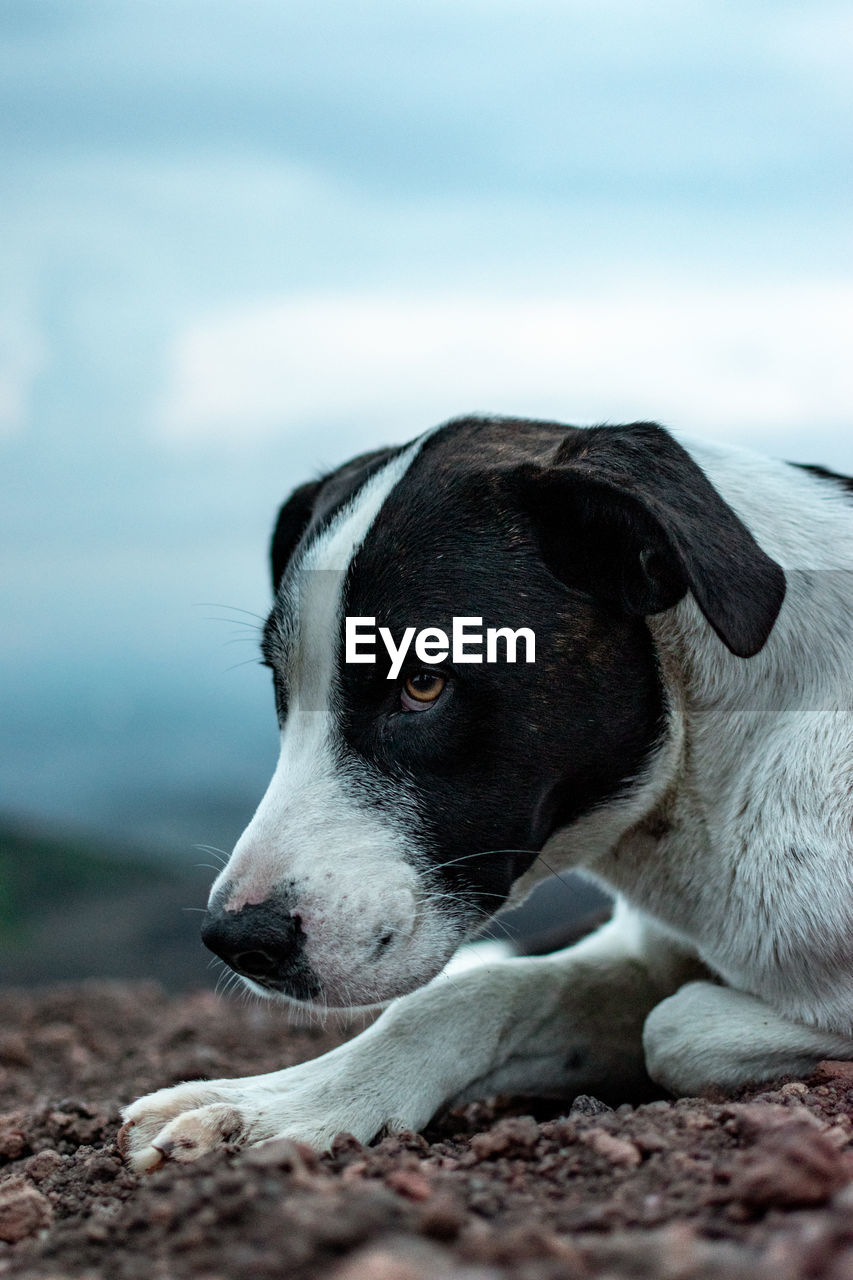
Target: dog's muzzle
{"x": 263, "y": 943}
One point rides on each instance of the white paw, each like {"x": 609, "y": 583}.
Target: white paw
{"x": 309, "y": 1104}
{"x": 181, "y": 1123}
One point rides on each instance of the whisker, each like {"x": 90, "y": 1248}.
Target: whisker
{"x": 213, "y": 851}
{"x": 479, "y": 893}
{"x": 556, "y": 873}
{"x": 234, "y": 622}
{"x": 238, "y": 640}
{"x": 232, "y": 608}
{"x": 250, "y": 662}
{"x": 484, "y": 853}
{"x": 488, "y": 917}
{"x": 224, "y": 981}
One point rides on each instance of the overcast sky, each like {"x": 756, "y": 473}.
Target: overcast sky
{"x": 241, "y": 240}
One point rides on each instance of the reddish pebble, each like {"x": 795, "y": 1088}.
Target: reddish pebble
{"x": 409, "y": 1183}
{"x": 23, "y": 1210}
{"x": 619, "y": 1151}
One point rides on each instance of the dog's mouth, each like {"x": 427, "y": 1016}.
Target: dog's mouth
{"x": 371, "y": 986}
{"x": 299, "y": 950}
{"x": 304, "y": 992}
{"x": 315, "y": 1002}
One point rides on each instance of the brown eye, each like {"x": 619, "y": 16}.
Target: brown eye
{"x": 421, "y": 690}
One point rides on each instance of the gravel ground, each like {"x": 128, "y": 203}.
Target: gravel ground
{"x": 758, "y": 1187}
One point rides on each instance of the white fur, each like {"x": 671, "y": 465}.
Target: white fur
{"x": 311, "y": 804}
{"x": 756, "y": 872}
{"x": 735, "y": 850}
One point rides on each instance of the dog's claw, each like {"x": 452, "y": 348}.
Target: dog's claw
{"x": 143, "y": 1159}
{"x": 153, "y": 1135}
{"x": 147, "y": 1160}
{"x": 123, "y": 1138}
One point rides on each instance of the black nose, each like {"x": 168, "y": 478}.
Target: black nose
{"x": 264, "y": 943}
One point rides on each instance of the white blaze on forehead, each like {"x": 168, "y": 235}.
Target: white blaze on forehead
{"x": 314, "y": 590}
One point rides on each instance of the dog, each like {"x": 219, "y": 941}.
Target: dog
{"x": 684, "y": 737}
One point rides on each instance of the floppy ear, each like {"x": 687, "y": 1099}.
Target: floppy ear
{"x": 626, "y": 514}
{"x": 292, "y": 522}
{"x": 319, "y": 499}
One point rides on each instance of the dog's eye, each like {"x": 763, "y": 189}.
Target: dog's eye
{"x": 420, "y": 690}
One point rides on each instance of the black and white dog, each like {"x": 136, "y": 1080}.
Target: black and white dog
{"x": 684, "y": 735}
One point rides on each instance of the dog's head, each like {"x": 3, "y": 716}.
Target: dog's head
{"x": 403, "y": 810}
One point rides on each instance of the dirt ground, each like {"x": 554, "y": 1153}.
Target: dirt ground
{"x": 759, "y": 1187}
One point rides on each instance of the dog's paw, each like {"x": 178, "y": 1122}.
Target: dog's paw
{"x": 308, "y": 1104}
{"x": 181, "y": 1123}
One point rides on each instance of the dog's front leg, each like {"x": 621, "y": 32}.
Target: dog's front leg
{"x": 567, "y": 1023}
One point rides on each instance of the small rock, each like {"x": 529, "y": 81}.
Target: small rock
{"x": 42, "y": 1165}
{"x": 100, "y": 1168}
{"x": 513, "y": 1136}
{"x": 830, "y": 1069}
{"x": 13, "y": 1050}
{"x": 441, "y": 1218}
{"x": 753, "y": 1120}
{"x": 650, "y": 1141}
{"x": 404, "y": 1262}
{"x": 794, "y": 1165}
{"x": 585, "y": 1105}
{"x": 13, "y": 1142}
{"x": 697, "y": 1120}
{"x": 619, "y": 1151}
{"x": 838, "y": 1135}
{"x": 404, "y": 1140}
{"x": 23, "y": 1210}
{"x": 346, "y": 1144}
{"x": 409, "y": 1183}
{"x": 281, "y": 1153}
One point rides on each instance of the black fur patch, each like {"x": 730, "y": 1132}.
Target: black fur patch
{"x": 509, "y": 753}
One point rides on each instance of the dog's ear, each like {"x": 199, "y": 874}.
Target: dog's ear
{"x": 626, "y": 514}
{"x": 319, "y": 499}
{"x": 292, "y": 522}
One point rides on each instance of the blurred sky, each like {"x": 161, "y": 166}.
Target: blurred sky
{"x": 242, "y": 239}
